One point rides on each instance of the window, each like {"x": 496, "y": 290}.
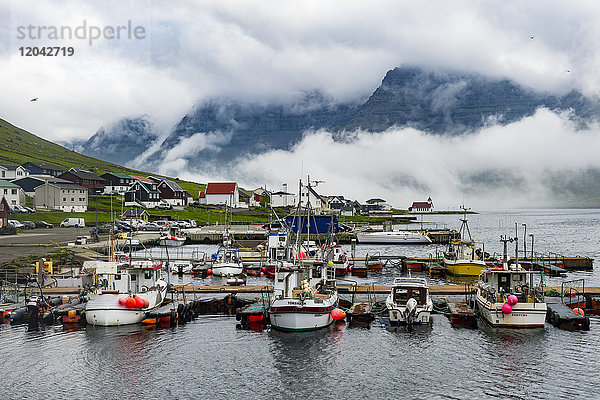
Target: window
{"x": 64, "y": 199}
{"x": 3, "y": 174}
{"x": 13, "y": 191}
{"x": 81, "y": 191}
{"x": 13, "y": 202}
{"x": 5, "y": 191}
{"x": 72, "y": 198}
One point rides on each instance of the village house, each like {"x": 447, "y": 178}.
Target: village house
{"x": 421, "y": 206}
{"x": 143, "y": 193}
{"x": 170, "y": 191}
{"x": 42, "y": 169}
{"x": 308, "y": 196}
{"x": 259, "y": 197}
{"x": 30, "y": 182}
{"x": 14, "y": 194}
{"x": 222, "y": 193}
{"x": 85, "y": 178}
{"x": 68, "y": 197}
{"x": 136, "y": 214}
{"x": 117, "y": 183}
{"x": 9, "y": 171}
{"x": 283, "y": 198}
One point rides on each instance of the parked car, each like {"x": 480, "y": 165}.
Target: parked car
{"x": 29, "y": 209}
{"x": 15, "y": 224}
{"x": 28, "y": 224}
{"x": 163, "y": 205}
{"x": 184, "y": 224}
{"x": 151, "y": 226}
{"x": 43, "y": 224}
{"x": 20, "y": 209}
{"x": 191, "y": 222}
{"x": 123, "y": 226}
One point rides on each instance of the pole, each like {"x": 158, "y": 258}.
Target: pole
{"x": 525, "y": 241}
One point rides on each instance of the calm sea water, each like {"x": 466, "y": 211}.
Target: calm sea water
{"x": 210, "y": 358}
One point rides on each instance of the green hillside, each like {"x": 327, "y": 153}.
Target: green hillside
{"x": 18, "y": 146}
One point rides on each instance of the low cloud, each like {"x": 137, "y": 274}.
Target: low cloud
{"x": 515, "y": 165}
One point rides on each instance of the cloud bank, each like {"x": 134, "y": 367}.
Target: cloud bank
{"x": 268, "y": 49}
{"x": 500, "y": 166}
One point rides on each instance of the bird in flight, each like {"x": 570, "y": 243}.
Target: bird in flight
{"x": 34, "y": 99}
{"x": 532, "y": 37}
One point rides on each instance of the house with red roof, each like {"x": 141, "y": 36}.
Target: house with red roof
{"x": 419, "y": 207}
{"x": 221, "y": 193}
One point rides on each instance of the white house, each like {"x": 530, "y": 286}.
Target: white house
{"x": 14, "y": 194}
{"x": 68, "y": 197}
{"x": 421, "y": 206}
{"x": 308, "y": 195}
{"x": 223, "y": 193}
{"x": 9, "y": 171}
{"x": 283, "y": 198}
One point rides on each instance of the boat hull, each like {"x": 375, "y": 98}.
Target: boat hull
{"x": 392, "y": 238}
{"x": 226, "y": 269}
{"x": 293, "y": 316}
{"x": 396, "y": 315}
{"x": 105, "y": 310}
{"x": 525, "y": 315}
{"x": 464, "y": 267}
{"x": 171, "y": 242}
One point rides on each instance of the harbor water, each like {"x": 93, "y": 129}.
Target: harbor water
{"x": 210, "y": 358}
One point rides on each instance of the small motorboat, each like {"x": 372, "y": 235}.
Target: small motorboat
{"x": 409, "y": 302}
{"x": 392, "y": 237}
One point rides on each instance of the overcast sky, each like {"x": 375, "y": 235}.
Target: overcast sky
{"x": 195, "y": 50}
{"x": 188, "y": 51}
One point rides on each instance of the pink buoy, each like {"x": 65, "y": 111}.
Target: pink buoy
{"x": 122, "y": 301}
{"x": 338, "y": 314}
{"x": 512, "y": 300}
{"x": 506, "y": 308}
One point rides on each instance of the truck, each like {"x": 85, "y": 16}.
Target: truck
{"x": 79, "y": 222}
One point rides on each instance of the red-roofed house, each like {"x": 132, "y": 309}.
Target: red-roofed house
{"x": 421, "y": 206}
{"x": 222, "y": 193}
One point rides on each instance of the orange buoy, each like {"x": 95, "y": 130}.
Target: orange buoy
{"x": 139, "y": 302}
{"x": 255, "y": 318}
{"x": 338, "y": 314}
{"x": 131, "y": 303}
{"x": 579, "y": 311}
{"x": 72, "y": 314}
{"x": 149, "y": 321}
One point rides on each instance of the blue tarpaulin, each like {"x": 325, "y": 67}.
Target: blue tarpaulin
{"x": 317, "y": 223}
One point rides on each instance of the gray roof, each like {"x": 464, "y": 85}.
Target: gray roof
{"x": 85, "y": 175}
{"x": 10, "y": 167}
{"x": 43, "y": 178}
{"x": 174, "y": 187}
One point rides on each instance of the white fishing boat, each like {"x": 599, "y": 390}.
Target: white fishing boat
{"x": 305, "y": 292}
{"x": 511, "y": 297}
{"x": 123, "y": 293}
{"x": 409, "y": 302}
{"x": 171, "y": 240}
{"x": 461, "y": 257}
{"x": 227, "y": 262}
{"x": 304, "y": 296}
{"x": 392, "y": 237}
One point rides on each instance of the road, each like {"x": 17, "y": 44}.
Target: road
{"x": 36, "y": 241}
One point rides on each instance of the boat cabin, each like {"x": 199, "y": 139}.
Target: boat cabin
{"x": 278, "y": 247}
{"x": 123, "y": 278}
{"x": 405, "y": 289}
{"x": 291, "y": 283}
{"x": 497, "y": 283}
{"x": 461, "y": 250}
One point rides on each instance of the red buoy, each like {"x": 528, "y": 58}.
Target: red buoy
{"x": 146, "y": 303}
{"x": 579, "y": 311}
{"x": 209, "y": 271}
{"x": 130, "y": 302}
{"x": 139, "y": 302}
{"x": 264, "y": 269}
{"x": 506, "y": 308}
{"x": 338, "y": 314}
{"x": 122, "y": 301}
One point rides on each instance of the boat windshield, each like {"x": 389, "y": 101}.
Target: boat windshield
{"x": 401, "y": 295}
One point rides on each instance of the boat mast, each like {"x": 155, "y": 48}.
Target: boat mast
{"x": 464, "y": 227}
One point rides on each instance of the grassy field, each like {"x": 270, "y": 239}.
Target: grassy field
{"x": 18, "y": 146}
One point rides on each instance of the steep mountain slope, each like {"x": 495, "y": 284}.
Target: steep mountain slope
{"x": 121, "y": 142}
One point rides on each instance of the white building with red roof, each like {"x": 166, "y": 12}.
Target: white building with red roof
{"x": 419, "y": 207}
{"x": 222, "y": 193}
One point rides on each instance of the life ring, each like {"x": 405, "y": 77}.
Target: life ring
{"x": 123, "y": 258}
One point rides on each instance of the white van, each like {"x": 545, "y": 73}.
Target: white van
{"x": 72, "y": 222}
